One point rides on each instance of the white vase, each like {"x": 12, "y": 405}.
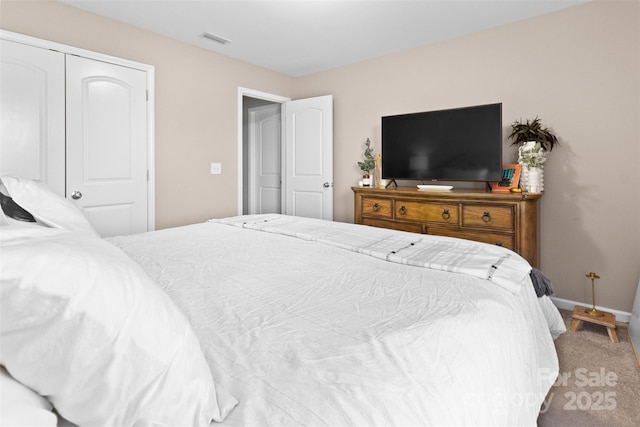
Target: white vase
{"x": 533, "y": 179}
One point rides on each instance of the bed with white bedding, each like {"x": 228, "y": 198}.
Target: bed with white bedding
{"x": 297, "y": 321}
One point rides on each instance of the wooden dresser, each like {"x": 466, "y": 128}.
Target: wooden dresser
{"x": 505, "y": 219}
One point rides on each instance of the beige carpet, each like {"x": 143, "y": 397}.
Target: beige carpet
{"x": 599, "y": 382}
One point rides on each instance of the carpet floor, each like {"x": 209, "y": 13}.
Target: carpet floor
{"x": 599, "y": 381}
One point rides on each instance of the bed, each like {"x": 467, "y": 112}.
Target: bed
{"x": 268, "y": 320}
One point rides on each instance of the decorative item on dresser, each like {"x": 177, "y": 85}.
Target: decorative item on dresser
{"x": 504, "y": 219}
{"x": 377, "y": 172}
{"x": 510, "y": 179}
{"x": 534, "y": 142}
{"x": 368, "y": 164}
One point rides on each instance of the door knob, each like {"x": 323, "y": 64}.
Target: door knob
{"x": 326, "y": 185}
{"x": 76, "y": 195}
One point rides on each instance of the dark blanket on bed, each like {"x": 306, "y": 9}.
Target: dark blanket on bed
{"x": 541, "y": 283}
{"x": 14, "y": 210}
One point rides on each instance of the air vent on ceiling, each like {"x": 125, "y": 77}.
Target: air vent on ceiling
{"x": 215, "y": 38}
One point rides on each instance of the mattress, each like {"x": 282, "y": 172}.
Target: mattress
{"x": 305, "y": 322}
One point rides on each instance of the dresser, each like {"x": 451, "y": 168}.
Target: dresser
{"x": 504, "y": 219}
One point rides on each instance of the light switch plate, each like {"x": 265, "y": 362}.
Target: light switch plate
{"x": 216, "y": 168}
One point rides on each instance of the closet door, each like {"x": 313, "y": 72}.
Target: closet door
{"x": 32, "y": 102}
{"x": 107, "y": 144}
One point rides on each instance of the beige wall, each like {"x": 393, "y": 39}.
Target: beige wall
{"x": 578, "y": 69}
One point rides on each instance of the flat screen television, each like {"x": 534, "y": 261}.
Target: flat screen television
{"x": 461, "y": 144}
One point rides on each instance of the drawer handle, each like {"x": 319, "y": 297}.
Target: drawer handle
{"x": 445, "y": 214}
{"x": 403, "y": 210}
{"x": 376, "y": 207}
{"x": 486, "y": 217}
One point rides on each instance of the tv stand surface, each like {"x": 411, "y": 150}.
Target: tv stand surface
{"x": 505, "y": 219}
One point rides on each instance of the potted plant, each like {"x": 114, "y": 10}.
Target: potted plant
{"x": 368, "y": 164}
{"x": 534, "y": 142}
{"x": 532, "y": 130}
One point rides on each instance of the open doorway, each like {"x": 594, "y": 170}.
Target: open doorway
{"x": 298, "y": 160}
{"x": 260, "y": 152}
{"x": 262, "y": 156}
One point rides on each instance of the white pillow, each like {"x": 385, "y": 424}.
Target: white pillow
{"x": 82, "y": 325}
{"x": 45, "y": 205}
{"x": 21, "y": 406}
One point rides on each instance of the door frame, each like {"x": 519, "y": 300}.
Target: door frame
{"x": 148, "y": 69}
{"x": 251, "y": 93}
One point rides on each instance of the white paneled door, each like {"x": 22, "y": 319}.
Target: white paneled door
{"x": 32, "y": 102}
{"x": 107, "y": 144}
{"x": 308, "y": 164}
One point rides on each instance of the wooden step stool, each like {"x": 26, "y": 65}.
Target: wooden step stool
{"x": 608, "y": 320}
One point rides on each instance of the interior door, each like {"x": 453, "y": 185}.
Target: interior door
{"x": 107, "y": 144}
{"x": 32, "y": 106}
{"x": 264, "y": 162}
{"x": 308, "y": 159}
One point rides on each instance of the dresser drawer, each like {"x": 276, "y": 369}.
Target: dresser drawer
{"x": 377, "y": 207}
{"x": 488, "y": 216}
{"x": 427, "y": 212}
{"x": 504, "y": 240}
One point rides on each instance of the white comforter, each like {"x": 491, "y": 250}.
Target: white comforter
{"x": 306, "y": 332}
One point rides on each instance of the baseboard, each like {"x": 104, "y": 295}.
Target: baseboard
{"x": 566, "y": 304}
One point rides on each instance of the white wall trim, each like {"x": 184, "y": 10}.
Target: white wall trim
{"x": 149, "y": 69}
{"x": 258, "y": 95}
{"x": 565, "y": 304}
{"x": 151, "y": 149}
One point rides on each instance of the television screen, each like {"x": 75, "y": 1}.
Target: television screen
{"x": 462, "y": 144}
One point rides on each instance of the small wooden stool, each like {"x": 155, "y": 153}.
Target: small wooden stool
{"x": 608, "y": 320}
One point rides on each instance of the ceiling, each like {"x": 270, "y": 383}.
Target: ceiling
{"x": 306, "y": 36}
